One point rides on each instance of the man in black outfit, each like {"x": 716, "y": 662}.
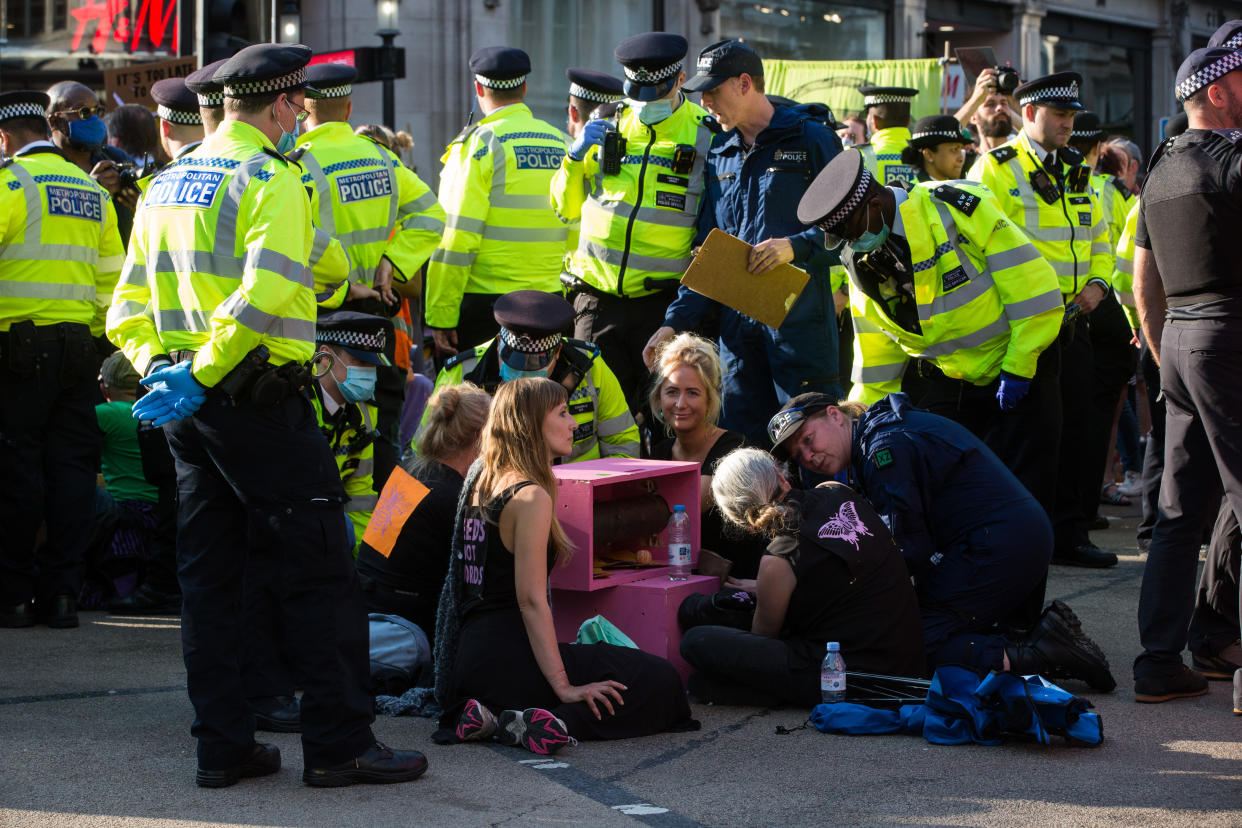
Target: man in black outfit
{"x": 1186, "y": 264}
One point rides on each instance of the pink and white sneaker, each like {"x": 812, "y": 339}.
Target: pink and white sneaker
{"x": 476, "y": 723}
{"x": 535, "y": 729}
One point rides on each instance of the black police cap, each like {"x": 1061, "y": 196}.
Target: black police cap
{"x": 363, "y": 335}
{"x": 533, "y": 312}
{"x": 1203, "y": 67}
{"x": 175, "y": 102}
{"x": 874, "y": 95}
{"x": 202, "y": 84}
{"x": 25, "y": 103}
{"x": 838, "y": 190}
{"x": 500, "y": 67}
{"x": 597, "y": 87}
{"x": 1059, "y": 90}
{"x": 330, "y": 80}
{"x": 264, "y": 69}
{"x": 723, "y": 60}
{"x": 934, "y": 130}
{"x": 651, "y": 62}
{"x": 1087, "y": 126}
{"x": 1228, "y": 35}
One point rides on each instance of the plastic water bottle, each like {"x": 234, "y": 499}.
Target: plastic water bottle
{"x": 679, "y": 545}
{"x": 832, "y": 675}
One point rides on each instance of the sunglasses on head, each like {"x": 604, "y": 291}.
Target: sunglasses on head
{"x": 83, "y": 112}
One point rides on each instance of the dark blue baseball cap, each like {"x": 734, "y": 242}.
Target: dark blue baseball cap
{"x": 721, "y": 61}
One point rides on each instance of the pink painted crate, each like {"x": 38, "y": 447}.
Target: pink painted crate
{"x": 644, "y": 610}
{"x": 582, "y": 485}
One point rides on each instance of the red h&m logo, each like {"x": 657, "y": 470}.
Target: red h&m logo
{"x": 112, "y": 23}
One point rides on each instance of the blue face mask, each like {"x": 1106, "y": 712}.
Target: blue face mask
{"x": 358, "y": 385}
{"x": 89, "y": 133}
{"x": 652, "y": 112}
{"x": 289, "y": 140}
{"x": 508, "y": 373}
{"x": 869, "y": 241}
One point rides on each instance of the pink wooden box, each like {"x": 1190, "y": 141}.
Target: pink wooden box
{"x": 583, "y": 485}
{"x": 644, "y": 610}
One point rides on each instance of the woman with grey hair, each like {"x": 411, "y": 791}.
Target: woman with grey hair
{"x": 831, "y": 573}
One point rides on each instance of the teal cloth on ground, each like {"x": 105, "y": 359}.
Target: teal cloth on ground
{"x": 599, "y": 630}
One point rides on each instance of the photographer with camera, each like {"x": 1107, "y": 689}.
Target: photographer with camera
{"x": 990, "y": 109}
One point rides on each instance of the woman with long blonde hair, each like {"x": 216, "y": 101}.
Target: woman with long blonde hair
{"x": 501, "y": 674}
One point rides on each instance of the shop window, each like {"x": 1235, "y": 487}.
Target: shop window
{"x": 806, "y": 29}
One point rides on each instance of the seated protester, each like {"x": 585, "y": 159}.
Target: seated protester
{"x": 937, "y": 148}
{"x": 686, "y": 399}
{"x": 530, "y": 344}
{"x": 406, "y": 579}
{"x": 832, "y": 573}
{"x": 975, "y": 541}
{"x": 115, "y": 563}
{"x": 500, "y": 672}
{"x": 350, "y": 346}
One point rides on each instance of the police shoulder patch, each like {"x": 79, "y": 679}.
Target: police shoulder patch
{"x": 460, "y": 357}
{"x": 883, "y": 458}
{"x": 6, "y": 162}
{"x": 1070, "y": 156}
{"x": 1003, "y": 154}
{"x": 963, "y": 201}
{"x": 272, "y": 152}
{"x": 712, "y": 125}
{"x": 296, "y": 155}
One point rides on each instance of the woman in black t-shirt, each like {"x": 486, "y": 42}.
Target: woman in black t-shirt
{"x": 832, "y": 572}
{"x": 499, "y": 670}
{"x": 685, "y": 397}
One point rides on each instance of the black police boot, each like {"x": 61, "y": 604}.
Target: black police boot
{"x": 1085, "y": 554}
{"x": 379, "y": 765}
{"x": 18, "y": 615}
{"x": 147, "y": 600}
{"x": 59, "y": 612}
{"x": 263, "y": 760}
{"x": 1057, "y": 648}
{"x": 276, "y": 714}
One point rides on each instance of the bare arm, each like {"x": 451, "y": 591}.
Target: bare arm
{"x": 774, "y": 585}
{"x": 1149, "y": 299}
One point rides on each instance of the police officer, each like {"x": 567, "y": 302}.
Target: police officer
{"x": 1043, "y": 187}
{"x": 494, "y": 188}
{"x": 589, "y": 90}
{"x": 181, "y": 123}
{"x": 974, "y": 540}
{"x": 530, "y": 344}
{"x": 638, "y": 222}
{"x": 210, "y": 95}
{"x": 937, "y": 273}
{"x": 364, "y": 192}
{"x": 59, "y": 259}
{"x": 888, "y": 119}
{"x": 225, "y": 355}
{"x": 756, "y": 170}
{"x": 937, "y": 148}
{"x": 1187, "y": 273}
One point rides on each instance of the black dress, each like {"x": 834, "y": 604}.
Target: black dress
{"x": 744, "y": 550}
{"x": 407, "y": 582}
{"x": 496, "y": 665}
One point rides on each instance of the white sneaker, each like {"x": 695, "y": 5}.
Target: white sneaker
{"x": 1132, "y": 486}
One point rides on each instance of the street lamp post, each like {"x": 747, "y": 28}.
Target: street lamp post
{"x": 287, "y": 22}
{"x": 387, "y": 69}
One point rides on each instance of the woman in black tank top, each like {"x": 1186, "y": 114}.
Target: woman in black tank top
{"x": 509, "y": 680}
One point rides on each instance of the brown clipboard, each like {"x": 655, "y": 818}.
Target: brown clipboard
{"x": 719, "y": 272}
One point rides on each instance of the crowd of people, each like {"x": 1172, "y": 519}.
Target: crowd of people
{"x": 261, "y": 329}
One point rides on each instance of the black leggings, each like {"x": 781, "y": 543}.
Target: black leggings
{"x": 738, "y": 667}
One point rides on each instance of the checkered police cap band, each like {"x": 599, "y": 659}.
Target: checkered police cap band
{"x": 591, "y": 95}
{"x": 335, "y": 91}
{"x": 243, "y": 89}
{"x": 1234, "y": 42}
{"x": 1089, "y": 133}
{"x": 937, "y": 133}
{"x": 872, "y": 100}
{"x": 21, "y": 110}
{"x": 211, "y": 99}
{"x": 524, "y": 344}
{"x": 850, "y": 204}
{"x": 649, "y": 77}
{"x": 1208, "y": 74}
{"x": 369, "y": 341}
{"x": 1050, "y": 93}
{"x": 176, "y": 116}
{"x": 495, "y": 83}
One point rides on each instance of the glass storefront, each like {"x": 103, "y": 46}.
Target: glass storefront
{"x": 807, "y": 29}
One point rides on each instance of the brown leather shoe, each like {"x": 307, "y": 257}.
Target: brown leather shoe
{"x": 263, "y": 760}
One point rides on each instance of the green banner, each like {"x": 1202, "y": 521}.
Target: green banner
{"x": 836, "y": 82}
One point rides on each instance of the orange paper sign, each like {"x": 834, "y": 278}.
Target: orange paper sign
{"x": 400, "y": 497}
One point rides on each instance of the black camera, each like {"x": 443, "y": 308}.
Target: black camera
{"x": 130, "y": 171}
{"x": 1007, "y": 79}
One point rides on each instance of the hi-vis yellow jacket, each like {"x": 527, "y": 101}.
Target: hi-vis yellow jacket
{"x": 986, "y": 300}
{"x": 1071, "y": 232}
{"x": 1114, "y": 201}
{"x": 883, "y": 157}
{"x": 638, "y": 226}
{"x": 350, "y": 432}
{"x": 1123, "y": 276}
{"x": 364, "y": 192}
{"x": 60, "y": 253}
{"x": 219, "y": 260}
{"x": 500, "y": 232}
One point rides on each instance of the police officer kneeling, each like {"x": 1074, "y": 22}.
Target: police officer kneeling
{"x": 530, "y": 344}
{"x": 223, "y": 331}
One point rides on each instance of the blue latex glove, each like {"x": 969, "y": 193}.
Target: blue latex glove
{"x": 174, "y": 395}
{"x": 592, "y": 135}
{"x": 1011, "y": 391}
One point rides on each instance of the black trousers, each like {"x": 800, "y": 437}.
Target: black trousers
{"x": 1114, "y": 363}
{"x": 1214, "y": 625}
{"x": 161, "y": 472}
{"x": 49, "y": 453}
{"x": 621, "y": 327}
{"x": 1076, "y": 456}
{"x": 1201, "y": 372}
{"x": 1153, "y": 456}
{"x": 753, "y": 669}
{"x": 259, "y": 492}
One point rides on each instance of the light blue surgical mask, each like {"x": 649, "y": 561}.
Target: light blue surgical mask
{"x": 289, "y": 140}
{"x": 869, "y": 241}
{"x": 358, "y": 385}
{"x": 652, "y": 112}
{"x": 508, "y": 373}
{"x": 90, "y": 133}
